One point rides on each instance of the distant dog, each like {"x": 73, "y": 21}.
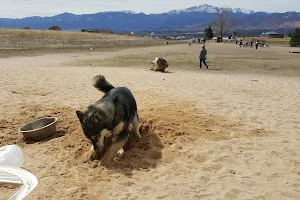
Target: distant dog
{"x": 159, "y": 64}
{"x": 110, "y": 117}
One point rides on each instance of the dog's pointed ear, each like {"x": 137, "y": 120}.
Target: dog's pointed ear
{"x": 80, "y": 115}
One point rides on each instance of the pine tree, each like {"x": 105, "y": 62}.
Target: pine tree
{"x": 295, "y": 39}
{"x": 205, "y": 32}
{"x": 209, "y": 33}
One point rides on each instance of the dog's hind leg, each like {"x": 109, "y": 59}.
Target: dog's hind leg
{"x": 136, "y": 126}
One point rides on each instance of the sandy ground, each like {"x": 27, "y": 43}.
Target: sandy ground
{"x": 205, "y": 134}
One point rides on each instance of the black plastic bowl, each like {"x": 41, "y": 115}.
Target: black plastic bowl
{"x": 39, "y": 129}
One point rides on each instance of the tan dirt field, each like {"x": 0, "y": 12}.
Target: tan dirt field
{"x": 229, "y": 132}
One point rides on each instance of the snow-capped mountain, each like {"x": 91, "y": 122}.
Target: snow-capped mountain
{"x": 201, "y": 8}
{"x": 193, "y": 18}
{"x": 210, "y": 9}
{"x": 242, "y": 10}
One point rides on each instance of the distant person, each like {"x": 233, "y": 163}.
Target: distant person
{"x": 202, "y": 57}
{"x": 251, "y": 44}
{"x": 256, "y": 44}
{"x": 241, "y": 43}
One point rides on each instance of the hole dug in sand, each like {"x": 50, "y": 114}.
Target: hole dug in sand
{"x": 139, "y": 153}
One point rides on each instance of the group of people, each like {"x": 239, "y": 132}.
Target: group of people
{"x": 200, "y": 40}
{"x": 251, "y": 43}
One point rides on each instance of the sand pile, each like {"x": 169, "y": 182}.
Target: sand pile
{"x": 61, "y": 162}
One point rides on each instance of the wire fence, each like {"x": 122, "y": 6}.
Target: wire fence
{"x": 67, "y": 44}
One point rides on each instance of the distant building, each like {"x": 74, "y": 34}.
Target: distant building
{"x": 272, "y": 34}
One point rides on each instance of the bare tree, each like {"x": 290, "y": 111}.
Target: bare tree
{"x": 223, "y": 23}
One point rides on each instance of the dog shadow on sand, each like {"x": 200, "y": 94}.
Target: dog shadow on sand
{"x": 164, "y": 72}
{"x": 139, "y": 153}
{"x": 167, "y": 72}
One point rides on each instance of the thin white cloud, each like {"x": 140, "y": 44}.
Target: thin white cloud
{"x": 23, "y": 8}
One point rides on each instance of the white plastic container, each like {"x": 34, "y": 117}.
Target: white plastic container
{"x": 11, "y": 155}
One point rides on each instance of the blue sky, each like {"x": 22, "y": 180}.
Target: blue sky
{"x": 24, "y": 8}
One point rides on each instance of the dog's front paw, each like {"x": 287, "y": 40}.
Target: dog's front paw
{"x": 95, "y": 163}
{"x": 119, "y": 154}
{"x": 91, "y": 155}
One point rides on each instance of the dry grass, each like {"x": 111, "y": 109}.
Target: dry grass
{"x": 274, "y": 41}
{"x": 111, "y": 47}
{"x": 222, "y": 58}
{"x": 16, "y": 42}
{"x": 22, "y": 34}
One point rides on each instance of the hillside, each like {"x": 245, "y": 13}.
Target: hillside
{"x": 187, "y": 19}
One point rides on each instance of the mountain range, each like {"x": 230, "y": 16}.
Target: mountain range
{"x": 191, "y": 19}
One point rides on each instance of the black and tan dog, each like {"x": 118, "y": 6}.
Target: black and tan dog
{"x": 111, "y": 116}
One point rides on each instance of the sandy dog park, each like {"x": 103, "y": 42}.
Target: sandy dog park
{"x": 228, "y": 132}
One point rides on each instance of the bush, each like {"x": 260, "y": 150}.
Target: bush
{"x": 55, "y": 28}
{"x": 295, "y": 38}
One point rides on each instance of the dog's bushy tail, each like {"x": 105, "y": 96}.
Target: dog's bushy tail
{"x": 101, "y": 84}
